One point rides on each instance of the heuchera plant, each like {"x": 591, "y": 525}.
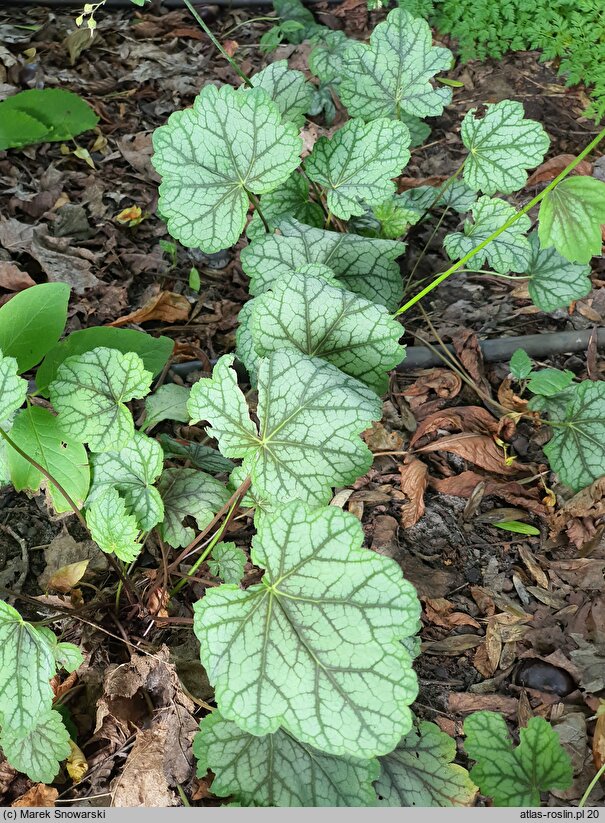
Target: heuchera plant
{"x": 312, "y": 667}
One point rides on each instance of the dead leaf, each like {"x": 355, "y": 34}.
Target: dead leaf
{"x": 466, "y": 702}
{"x": 414, "y": 480}
{"x": 137, "y": 149}
{"x": 466, "y": 345}
{"x": 64, "y": 551}
{"x": 508, "y": 398}
{"x": 39, "y": 796}
{"x": 586, "y": 504}
{"x": 478, "y": 449}
{"x": 165, "y": 306}
{"x": 231, "y": 46}
{"x": 554, "y": 166}
{"x": 440, "y": 612}
{"x": 598, "y": 741}
{"x": 532, "y": 566}
{"x": 379, "y": 439}
{"x": 142, "y": 781}
{"x": 12, "y": 278}
{"x": 443, "y": 383}
{"x": 384, "y": 537}
{"x": 452, "y": 645}
{"x": 460, "y": 419}
{"x": 464, "y": 484}
{"x": 64, "y": 579}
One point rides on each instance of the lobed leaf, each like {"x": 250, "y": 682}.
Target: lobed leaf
{"x": 326, "y": 61}
{"x": 227, "y": 562}
{"x": 188, "y": 493}
{"x": 571, "y": 216}
{"x": 39, "y": 751}
{"x": 113, "y": 529}
{"x": 289, "y": 200}
{"x": 554, "y": 282}
{"x": 169, "y": 402}
{"x": 287, "y": 88}
{"x": 13, "y": 389}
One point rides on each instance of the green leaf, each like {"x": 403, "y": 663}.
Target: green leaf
{"x": 32, "y": 321}
{"x": 90, "y": 391}
{"x": 67, "y": 655}
{"x": 554, "y": 282}
{"x": 39, "y": 751}
{"x": 394, "y": 220}
{"x": 287, "y": 88}
{"x": 38, "y": 432}
{"x": 517, "y": 527}
{"x": 315, "y": 647}
{"x": 112, "y": 528}
{"x": 203, "y": 196}
{"x": 549, "y": 382}
{"x": 13, "y": 389}
{"x": 245, "y": 350}
{"x": 571, "y": 216}
{"x": 502, "y": 145}
{"x": 169, "y": 402}
{"x": 188, "y": 493}
{"x": 520, "y": 365}
{"x": 132, "y": 471}
{"x": 420, "y": 772}
{"x": 278, "y": 770}
{"x": 303, "y": 313}
{"x": 293, "y": 11}
{"x": 200, "y": 456}
{"x": 393, "y": 73}
{"x": 153, "y": 351}
{"x": 18, "y": 129}
{"x": 63, "y": 113}
{"x": 227, "y": 562}
{"x": 310, "y": 417}
{"x": 362, "y": 265}
{"x": 515, "y": 776}
{"x": 289, "y": 200}
{"x": 326, "y": 61}
{"x": 508, "y": 252}
{"x": 356, "y": 164}
{"x": 27, "y": 664}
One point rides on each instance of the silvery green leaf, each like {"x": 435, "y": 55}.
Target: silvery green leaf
{"x": 245, "y": 350}
{"x": 13, "y": 389}
{"x": 295, "y": 11}
{"x": 291, "y": 199}
{"x": 199, "y": 455}
{"x": 287, "y": 88}
{"x": 203, "y": 193}
{"x": 315, "y": 647}
{"x": 227, "y": 562}
{"x": 571, "y": 216}
{"x": 510, "y": 251}
{"x": 393, "y": 73}
{"x": 278, "y": 770}
{"x": 311, "y": 415}
{"x": 502, "y": 145}
{"x": 90, "y": 392}
{"x": 188, "y": 493}
{"x": 356, "y": 165}
{"x": 113, "y": 529}
{"x": 362, "y": 265}
{"x": 132, "y": 471}
{"x": 303, "y": 313}
{"x": 169, "y": 402}
{"x": 326, "y": 59}
{"x": 418, "y": 129}
{"x": 554, "y": 282}
{"x": 39, "y": 751}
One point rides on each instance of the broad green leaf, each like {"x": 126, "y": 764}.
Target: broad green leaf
{"x": 200, "y": 456}
{"x": 420, "y": 772}
{"x": 576, "y": 450}
{"x": 362, "y": 265}
{"x": 418, "y": 129}
{"x": 303, "y": 313}
{"x": 64, "y": 113}
{"x": 153, "y": 351}
{"x": 394, "y": 220}
{"x": 520, "y": 365}
{"x": 393, "y": 73}
{"x": 515, "y": 776}
{"x": 188, "y": 493}
{"x": 67, "y": 655}
{"x": 297, "y": 12}
{"x": 326, "y": 59}
{"x": 169, "y": 402}
{"x": 517, "y": 527}
{"x": 227, "y": 562}
{"x": 287, "y": 88}
{"x": 27, "y": 664}
{"x": 132, "y": 471}
{"x": 13, "y": 389}
{"x": 315, "y": 647}
{"x": 203, "y": 195}
{"x": 113, "y": 529}
{"x": 554, "y": 282}
{"x": 510, "y": 251}
{"x": 289, "y": 200}
{"x": 571, "y": 216}
{"x": 278, "y": 770}
{"x": 32, "y": 321}
{"x": 19, "y": 129}
{"x": 502, "y": 145}
{"x": 550, "y": 381}
{"x": 38, "y": 752}
{"x": 37, "y": 431}
{"x": 90, "y": 391}
{"x": 356, "y": 165}
{"x": 311, "y": 415}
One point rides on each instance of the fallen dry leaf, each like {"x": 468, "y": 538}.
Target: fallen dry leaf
{"x": 64, "y": 579}
{"x": 165, "y": 306}
{"x": 414, "y": 479}
{"x": 452, "y": 645}
{"x": 554, "y": 166}
{"x": 478, "y": 449}
{"x": 460, "y": 419}
{"x": 231, "y": 46}
{"x": 440, "y": 612}
{"x": 12, "y": 278}
{"x": 466, "y": 702}
{"x": 464, "y": 484}
{"x": 39, "y": 796}
{"x": 443, "y": 383}
{"x": 533, "y": 567}
{"x": 379, "y": 439}
{"x": 598, "y": 741}
{"x": 508, "y": 398}
{"x": 466, "y": 345}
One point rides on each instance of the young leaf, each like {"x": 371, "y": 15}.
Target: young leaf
{"x": 13, "y": 389}
{"x": 356, "y": 165}
{"x": 214, "y": 185}
{"x": 64, "y": 113}
{"x": 304, "y": 313}
{"x": 310, "y": 417}
{"x": 289, "y": 200}
{"x": 200, "y": 456}
{"x": 113, "y": 529}
{"x": 393, "y": 73}
{"x": 517, "y": 527}
{"x": 420, "y": 772}
{"x": 188, "y": 493}
{"x": 38, "y": 433}
{"x": 508, "y": 252}
{"x": 549, "y": 382}
{"x": 278, "y": 770}
{"x": 571, "y": 216}
{"x": 293, "y": 11}
{"x": 362, "y": 265}
{"x": 502, "y": 145}
{"x": 132, "y": 471}
{"x": 287, "y": 88}
{"x": 227, "y": 562}
{"x": 37, "y": 752}
{"x": 169, "y": 402}
{"x": 326, "y": 61}
{"x": 315, "y": 647}
{"x": 90, "y": 391}
{"x": 554, "y": 282}
{"x": 515, "y": 776}
{"x": 32, "y": 321}
{"x": 18, "y": 129}
{"x": 520, "y": 365}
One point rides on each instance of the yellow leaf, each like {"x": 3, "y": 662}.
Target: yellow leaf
{"x": 64, "y": 579}
{"x": 83, "y": 154}
{"x": 77, "y": 765}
